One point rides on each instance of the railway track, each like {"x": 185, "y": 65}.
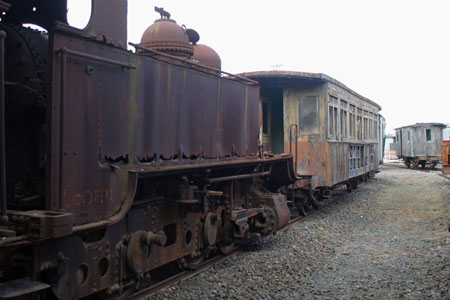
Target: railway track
{"x": 447, "y": 177}
{"x": 401, "y": 165}
{"x": 182, "y": 276}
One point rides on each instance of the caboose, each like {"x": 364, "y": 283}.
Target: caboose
{"x": 332, "y": 131}
{"x": 419, "y": 144}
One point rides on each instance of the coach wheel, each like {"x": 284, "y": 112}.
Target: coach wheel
{"x": 318, "y": 195}
{"x": 348, "y": 187}
{"x": 313, "y": 200}
{"x": 300, "y": 207}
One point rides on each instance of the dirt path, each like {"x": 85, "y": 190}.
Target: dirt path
{"x": 400, "y": 249}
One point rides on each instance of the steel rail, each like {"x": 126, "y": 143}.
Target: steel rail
{"x": 403, "y": 166}
{"x": 445, "y": 176}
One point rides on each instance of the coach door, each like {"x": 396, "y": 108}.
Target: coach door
{"x": 272, "y": 134}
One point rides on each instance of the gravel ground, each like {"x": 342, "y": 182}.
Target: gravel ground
{"x": 388, "y": 240}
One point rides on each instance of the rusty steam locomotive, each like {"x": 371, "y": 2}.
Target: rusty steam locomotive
{"x": 115, "y": 163}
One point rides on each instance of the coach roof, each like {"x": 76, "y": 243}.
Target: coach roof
{"x": 304, "y": 75}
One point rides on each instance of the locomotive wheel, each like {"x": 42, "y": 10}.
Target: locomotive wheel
{"x": 103, "y": 295}
{"x": 226, "y": 245}
{"x": 211, "y": 227}
{"x": 193, "y": 262}
{"x": 226, "y": 248}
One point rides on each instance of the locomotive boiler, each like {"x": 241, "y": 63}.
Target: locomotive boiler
{"x": 117, "y": 162}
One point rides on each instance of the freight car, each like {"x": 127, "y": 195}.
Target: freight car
{"x": 446, "y": 150}
{"x": 332, "y": 131}
{"x": 419, "y": 144}
{"x": 114, "y": 163}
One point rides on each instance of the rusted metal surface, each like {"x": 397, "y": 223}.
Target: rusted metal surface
{"x": 164, "y": 35}
{"x": 100, "y": 25}
{"x": 142, "y": 122}
{"x": 193, "y": 63}
{"x": 293, "y": 139}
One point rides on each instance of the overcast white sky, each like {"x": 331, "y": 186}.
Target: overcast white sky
{"x": 396, "y": 53}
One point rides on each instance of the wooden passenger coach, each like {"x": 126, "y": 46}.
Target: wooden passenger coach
{"x": 332, "y": 131}
{"x": 419, "y": 144}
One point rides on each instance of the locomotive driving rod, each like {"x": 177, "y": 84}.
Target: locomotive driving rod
{"x": 235, "y": 177}
{"x": 3, "y": 214}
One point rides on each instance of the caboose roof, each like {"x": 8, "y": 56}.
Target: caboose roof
{"x": 430, "y": 124}
{"x": 293, "y": 75}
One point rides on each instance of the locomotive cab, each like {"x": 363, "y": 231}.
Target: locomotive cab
{"x": 26, "y": 75}
{"x": 27, "y": 91}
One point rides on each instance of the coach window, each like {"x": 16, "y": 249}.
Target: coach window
{"x": 375, "y": 129}
{"x": 371, "y": 124}
{"x": 344, "y": 120}
{"x": 360, "y": 123}
{"x": 333, "y": 116}
{"x": 330, "y": 121}
{"x": 336, "y": 122}
{"x": 428, "y": 132}
{"x": 309, "y": 114}
{"x": 352, "y": 121}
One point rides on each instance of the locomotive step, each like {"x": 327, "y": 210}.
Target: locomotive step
{"x": 20, "y": 287}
